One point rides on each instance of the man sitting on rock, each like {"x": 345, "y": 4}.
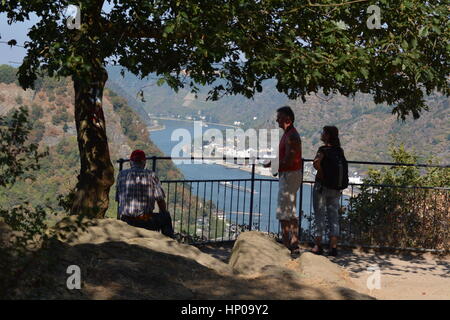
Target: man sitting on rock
{"x": 137, "y": 191}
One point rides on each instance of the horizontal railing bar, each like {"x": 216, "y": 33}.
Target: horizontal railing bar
{"x": 387, "y": 186}
{"x": 306, "y": 160}
{"x": 221, "y": 180}
{"x": 393, "y": 164}
{"x": 308, "y": 182}
{"x": 199, "y": 158}
{"x": 397, "y": 186}
{"x": 305, "y": 181}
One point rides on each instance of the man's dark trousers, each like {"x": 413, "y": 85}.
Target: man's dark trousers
{"x": 160, "y": 221}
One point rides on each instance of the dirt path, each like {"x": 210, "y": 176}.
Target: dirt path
{"x": 417, "y": 277}
{"x": 402, "y": 276}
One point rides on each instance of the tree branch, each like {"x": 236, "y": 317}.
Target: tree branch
{"x": 333, "y": 4}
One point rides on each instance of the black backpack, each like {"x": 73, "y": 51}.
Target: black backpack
{"x": 334, "y": 168}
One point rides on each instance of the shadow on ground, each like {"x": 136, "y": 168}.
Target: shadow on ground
{"x": 118, "y": 270}
{"x": 395, "y": 264}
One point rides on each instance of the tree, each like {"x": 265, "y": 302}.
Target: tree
{"x": 17, "y": 157}
{"x": 7, "y": 74}
{"x": 23, "y": 227}
{"x": 233, "y": 46}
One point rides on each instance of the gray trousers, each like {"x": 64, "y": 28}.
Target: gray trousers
{"x": 326, "y": 204}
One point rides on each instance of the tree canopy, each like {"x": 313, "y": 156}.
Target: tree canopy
{"x": 236, "y": 44}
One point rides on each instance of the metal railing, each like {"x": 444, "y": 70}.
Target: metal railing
{"x": 213, "y": 210}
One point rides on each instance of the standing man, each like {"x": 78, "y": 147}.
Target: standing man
{"x": 290, "y": 177}
{"x": 137, "y": 191}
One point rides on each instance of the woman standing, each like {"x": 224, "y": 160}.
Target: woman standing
{"x": 331, "y": 178}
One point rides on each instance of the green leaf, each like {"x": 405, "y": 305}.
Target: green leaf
{"x": 405, "y": 45}
{"x": 365, "y": 73}
{"x": 423, "y": 32}
{"x": 169, "y": 29}
{"x": 436, "y": 29}
{"x": 160, "y": 82}
{"x": 341, "y": 25}
{"x": 396, "y": 61}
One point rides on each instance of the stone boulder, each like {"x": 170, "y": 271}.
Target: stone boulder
{"x": 320, "y": 269}
{"x": 254, "y": 251}
{"x": 74, "y": 232}
{"x": 258, "y": 256}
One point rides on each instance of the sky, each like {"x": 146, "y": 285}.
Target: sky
{"x": 17, "y": 31}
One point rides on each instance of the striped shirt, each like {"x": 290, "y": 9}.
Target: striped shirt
{"x": 137, "y": 190}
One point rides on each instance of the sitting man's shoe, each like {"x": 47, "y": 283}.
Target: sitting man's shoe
{"x": 333, "y": 252}
{"x": 295, "y": 251}
{"x": 319, "y": 251}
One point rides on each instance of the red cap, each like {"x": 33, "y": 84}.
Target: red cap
{"x": 137, "y": 155}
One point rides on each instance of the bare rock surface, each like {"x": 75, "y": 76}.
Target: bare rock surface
{"x": 258, "y": 254}
{"x": 253, "y": 251}
{"x": 321, "y": 269}
{"x": 112, "y": 230}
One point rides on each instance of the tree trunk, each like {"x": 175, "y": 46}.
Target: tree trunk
{"x": 97, "y": 172}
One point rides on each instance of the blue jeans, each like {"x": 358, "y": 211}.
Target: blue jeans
{"x": 326, "y": 203}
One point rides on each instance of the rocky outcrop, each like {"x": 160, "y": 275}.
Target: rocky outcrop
{"x": 112, "y": 230}
{"x": 118, "y": 261}
{"x": 257, "y": 254}
{"x": 254, "y": 251}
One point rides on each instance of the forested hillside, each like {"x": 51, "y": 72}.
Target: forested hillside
{"x": 50, "y": 109}
{"x": 367, "y": 129}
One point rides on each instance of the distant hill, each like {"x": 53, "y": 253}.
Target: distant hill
{"x": 163, "y": 101}
{"x": 367, "y": 129}
{"x": 131, "y": 100}
{"x": 51, "y": 110}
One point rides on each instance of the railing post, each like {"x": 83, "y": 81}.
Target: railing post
{"x": 120, "y": 169}
{"x": 300, "y": 209}
{"x": 154, "y": 164}
{"x": 252, "y": 196}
